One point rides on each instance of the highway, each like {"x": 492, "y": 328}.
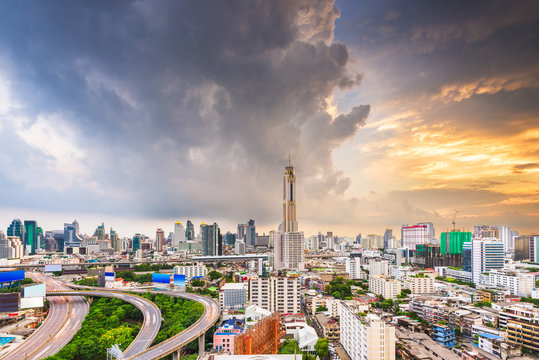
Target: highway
{"x": 66, "y": 314}
{"x": 211, "y": 314}
{"x": 150, "y": 311}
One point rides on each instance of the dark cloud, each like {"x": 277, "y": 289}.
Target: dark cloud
{"x": 522, "y": 167}
{"x": 178, "y": 108}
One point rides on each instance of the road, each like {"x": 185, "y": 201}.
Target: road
{"x": 211, "y": 314}
{"x": 65, "y": 317}
{"x": 150, "y": 311}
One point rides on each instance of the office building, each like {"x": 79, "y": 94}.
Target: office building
{"x": 71, "y": 234}
{"x": 378, "y": 266}
{"x": 388, "y": 235}
{"x": 505, "y": 235}
{"x": 179, "y": 235}
{"x": 137, "y": 242}
{"x": 230, "y": 239}
{"x": 262, "y": 240}
{"x": 452, "y": 242}
{"x": 522, "y": 248}
{"x": 239, "y": 247}
{"x": 30, "y": 236}
{"x": 386, "y": 287}
{"x": 233, "y": 296}
{"x": 189, "y": 231}
{"x": 191, "y": 271}
{"x": 16, "y": 228}
{"x": 211, "y": 239}
{"x": 100, "y": 232}
{"x": 276, "y": 293}
{"x": 487, "y": 254}
{"x": 289, "y": 250}
{"x": 115, "y": 241}
{"x": 420, "y": 234}
{"x": 366, "y": 337}
{"x": 486, "y": 232}
{"x": 290, "y": 223}
{"x": 4, "y": 246}
{"x": 159, "y": 240}
{"x": 444, "y": 334}
{"x": 534, "y": 248}
{"x": 353, "y": 268}
{"x": 467, "y": 256}
{"x": 250, "y": 233}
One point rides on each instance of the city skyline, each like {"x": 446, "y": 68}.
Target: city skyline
{"x": 393, "y": 113}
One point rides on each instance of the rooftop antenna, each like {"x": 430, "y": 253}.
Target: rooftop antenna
{"x": 454, "y": 218}
{"x": 289, "y": 160}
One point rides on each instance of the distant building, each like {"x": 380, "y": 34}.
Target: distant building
{"x": 419, "y": 284}
{"x": 115, "y": 241}
{"x": 190, "y": 231}
{"x": 137, "y": 242}
{"x": 452, "y": 242}
{"x": 420, "y": 234}
{"x": 30, "y": 235}
{"x": 506, "y": 237}
{"x": 366, "y": 337}
{"x": 100, "y": 232}
{"x": 191, "y": 271}
{"x": 16, "y": 228}
{"x": 290, "y": 223}
{"x": 534, "y": 248}
{"x": 230, "y": 239}
{"x": 289, "y": 250}
{"x": 239, "y": 247}
{"x": 159, "y": 240}
{"x": 250, "y": 233}
{"x": 378, "y": 266}
{"x": 522, "y": 248}
{"x": 71, "y": 234}
{"x": 467, "y": 256}
{"x": 388, "y": 234}
{"x": 211, "y": 239}
{"x": 179, "y": 235}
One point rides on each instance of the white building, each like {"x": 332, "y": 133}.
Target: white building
{"x": 487, "y": 254}
{"x": 354, "y": 269}
{"x": 179, "y": 235}
{"x": 400, "y": 272}
{"x": 378, "y": 266}
{"x": 412, "y": 235}
{"x": 419, "y": 284}
{"x": 289, "y": 250}
{"x": 307, "y": 339}
{"x": 256, "y": 313}
{"x": 16, "y": 248}
{"x": 384, "y": 286}
{"x": 506, "y": 237}
{"x": 190, "y": 271}
{"x": 233, "y": 296}
{"x": 366, "y": 337}
{"x": 239, "y": 247}
{"x": 276, "y": 293}
{"x": 519, "y": 284}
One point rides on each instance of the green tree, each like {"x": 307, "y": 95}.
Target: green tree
{"x": 197, "y": 283}
{"x": 290, "y": 347}
{"x": 214, "y": 275}
{"x": 321, "y": 348}
{"x": 120, "y": 335}
{"x": 321, "y": 308}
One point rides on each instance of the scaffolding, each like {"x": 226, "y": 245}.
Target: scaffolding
{"x": 262, "y": 338}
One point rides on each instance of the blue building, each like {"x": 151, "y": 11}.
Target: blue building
{"x": 16, "y": 229}
{"x": 467, "y": 256}
{"x": 444, "y": 334}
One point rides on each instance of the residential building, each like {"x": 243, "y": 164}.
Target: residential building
{"x": 159, "y": 240}
{"x": 289, "y": 250}
{"x": 497, "y": 346}
{"x": 400, "y": 272}
{"x": 378, "y": 266}
{"x": 330, "y": 328}
{"x": 191, "y": 271}
{"x": 467, "y": 322}
{"x": 444, "y": 335}
{"x": 233, "y": 296}
{"x": 519, "y": 284}
{"x": 487, "y": 254}
{"x": 387, "y": 287}
{"x": 276, "y": 293}
{"x": 223, "y": 338}
{"x": 419, "y": 284}
{"x": 366, "y": 337}
{"x": 16, "y": 248}
{"x": 354, "y": 269}
{"x": 521, "y": 321}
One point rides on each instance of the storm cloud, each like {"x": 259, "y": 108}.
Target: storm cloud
{"x": 170, "y": 109}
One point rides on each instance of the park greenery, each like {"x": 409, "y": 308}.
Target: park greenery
{"x": 455, "y": 281}
{"x": 341, "y": 288}
{"x": 109, "y": 322}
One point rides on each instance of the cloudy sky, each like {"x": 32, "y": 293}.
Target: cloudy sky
{"x": 141, "y": 113}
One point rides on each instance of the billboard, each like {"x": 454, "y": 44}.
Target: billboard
{"x": 34, "y": 291}
{"x": 179, "y": 280}
{"x": 11, "y": 275}
{"x": 109, "y": 276}
{"x": 9, "y": 302}
{"x": 53, "y": 268}
{"x": 32, "y": 302}
{"x": 161, "y": 278}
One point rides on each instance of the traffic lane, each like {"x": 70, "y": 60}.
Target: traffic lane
{"x": 151, "y": 315}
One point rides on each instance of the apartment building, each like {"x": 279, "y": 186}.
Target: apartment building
{"x": 519, "y": 284}
{"x": 233, "y": 296}
{"x": 378, "y": 266}
{"x": 191, "y": 271}
{"x": 387, "y": 287}
{"x": 521, "y": 321}
{"x": 276, "y": 293}
{"x": 366, "y": 337}
{"x": 419, "y": 284}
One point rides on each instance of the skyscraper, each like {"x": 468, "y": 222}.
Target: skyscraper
{"x": 100, "y": 232}
{"x": 159, "y": 240}
{"x": 290, "y": 223}
{"x": 179, "y": 235}
{"x": 388, "y": 234}
{"x": 487, "y": 254}
{"x": 71, "y": 234}
{"x": 189, "y": 231}
{"x": 534, "y": 248}
{"x": 419, "y": 234}
{"x": 30, "y": 235}
{"x": 212, "y": 240}
{"x": 250, "y": 233}
{"x": 115, "y": 241}
{"x": 16, "y": 229}
{"x": 289, "y": 242}
{"x": 506, "y": 236}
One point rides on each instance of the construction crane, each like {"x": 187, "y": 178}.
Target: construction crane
{"x": 454, "y": 218}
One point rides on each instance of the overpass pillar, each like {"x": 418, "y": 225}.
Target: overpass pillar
{"x": 201, "y": 344}
{"x": 176, "y": 355}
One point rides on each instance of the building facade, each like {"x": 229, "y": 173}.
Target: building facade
{"x": 276, "y": 293}
{"x": 387, "y": 287}
{"x": 487, "y": 254}
{"x": 233, "y": 296}
{"x": 191, "y": 271}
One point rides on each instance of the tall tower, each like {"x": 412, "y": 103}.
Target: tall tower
{"x": 290, "y": 223}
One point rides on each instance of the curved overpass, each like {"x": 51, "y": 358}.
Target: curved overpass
{"x": 212, "y": 312}
{"x": 66, "y": 314}
{"x": 150, "y": 311}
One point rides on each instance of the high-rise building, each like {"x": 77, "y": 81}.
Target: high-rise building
{"x": 240, "y": 235}
{"x": 137, "y": 242}
{"x": 212, "y": 240}
{"x": 452, "y": 242}
{"x": 189, "y": 231}
{"x": 506, "y": 237}
{"x": 389, "y": 288}
{"x": 250, "y": 233}
{"x": 378, "y": 266}
{"x": 159, "y": 240}
{"x": 230, "y": 239}
{"x": 534, "y": 248}
{"x": 179, "y": 235}
{"x": 100, "y": 232}
{"x": 420, "y": 234}
{"x": 485, "y": 231}
{"x": 290, "y": 223}
{"x": 467, "y": 256}
{"x": 388, "y": 234}
{"x": 4, "y": 246}
{"x": 30, "y": 235}
{"x": 276, "y": 293}
{"x": 366, "y": 337}
{"x": 115, "y": 241}
{"x": 487, "y": 254}
{"x": 522, "y": 247}
{"x": 71, "y": 235}
{"x": 16, "y": 228}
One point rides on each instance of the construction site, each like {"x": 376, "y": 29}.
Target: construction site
{"x": 263, "y": 338}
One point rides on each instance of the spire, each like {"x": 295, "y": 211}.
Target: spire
{"x": 289, "y": 160}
